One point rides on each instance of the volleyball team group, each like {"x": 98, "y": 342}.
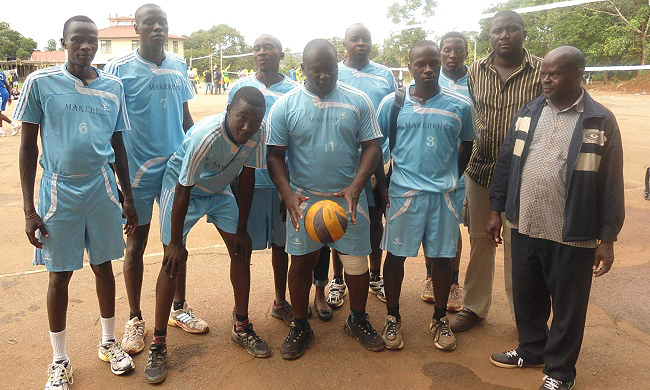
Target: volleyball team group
{"x": 348, "y": 134}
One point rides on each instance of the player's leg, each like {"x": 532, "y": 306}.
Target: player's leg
{"x": 393, "y": 278}
{"x": 441, "y": 269}
{"x": 321, "y": 270}
{"x": 280, "y": 263}
{"x": 376, "y": 232}
{"x": 455, "y": 302}
{"x": 59, "y": 372}
{"x": 300, "y": 280}
{"x": 337, "y": 288}
{"x": 427, "y": 290}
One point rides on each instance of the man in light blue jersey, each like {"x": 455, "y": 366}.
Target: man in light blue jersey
{"x": 329, "y": 134}
{"x": 376, "y": 81}
{"x": 453, "y": 75}
{"x": 80, "y": 112}
{"x": 266, "y": 224}
{"x": 196, "y": 184}
{"x": 427, "y": 164}
{"x": 157, "y": 90}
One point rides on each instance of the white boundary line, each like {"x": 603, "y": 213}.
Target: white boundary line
{"x": 86, "y": 264}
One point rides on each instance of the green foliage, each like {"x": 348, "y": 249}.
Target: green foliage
{"x": 290, "y": 60}
{"x": 339, "y": 45}
{"x": 395, "y": 50}
{"x": 406, "y": 11}
{"x": 222, "y": 37}
{"x": 51, "y": 45}
{"x": 13, "y": 45}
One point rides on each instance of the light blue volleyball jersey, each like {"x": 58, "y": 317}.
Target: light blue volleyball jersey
{"x": 426, "y": 149}
{"x": 209, "y": 160}
{"x": 154, "y": 98}
{"x": 459, "y": 85}
{"x": 271, "y": 94}
{"x": 323, "y": 136}
{"x": 76, "y": 121}
{"x": 374, "y": 80}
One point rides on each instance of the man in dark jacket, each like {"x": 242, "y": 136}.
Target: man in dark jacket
{"x": 559, "y": 179}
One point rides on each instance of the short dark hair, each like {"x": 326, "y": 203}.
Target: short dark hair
{"x": 271, "y": 37}
{"x": 419, "y": 44}
{"x": 143, "y": 7}
{"x": 508, "y": 13}
{"x": 78, "y": 18}
{"x": 250, "y": 95}
{"x": 453, "y": 34}
{"x": 318, "y": 44}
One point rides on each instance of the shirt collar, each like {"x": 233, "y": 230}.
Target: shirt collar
{"x": 579, "y": 104}
{"x": 528, "y": 59}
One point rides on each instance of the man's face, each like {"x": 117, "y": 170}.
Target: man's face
{"x": 81, "y": 42}
{"x": 151, "y": 25}
{"x": 558, "y": 79}
{"x": 506, "y": 36}
{"x": 425, "y": 66}
{"x": 321, "y": 70}
{"x": 453, "y": 54}
{"x": 244, "y": 120}
{"x": 358, "y": 43}
{"x": 266, "y": 53}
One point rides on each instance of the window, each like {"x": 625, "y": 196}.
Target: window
{"x": 135, "y": 44}
{"x": 167, "y": 46}
{"x": 106, "y": 47}
{"x": 175, "y": 46}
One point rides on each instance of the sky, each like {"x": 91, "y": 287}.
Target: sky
{"x": 293, "y": 22}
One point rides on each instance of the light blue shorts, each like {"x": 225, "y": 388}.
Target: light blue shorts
{"x": 143, "y": 198}
{"x": 265, "y": 224}
{"x": 427, "y": 218}
{"x": 460, "y": 198}
{"x": 355, "y": 241}
{"x": 79, "y": 213}
{"x": 221, "y": 210}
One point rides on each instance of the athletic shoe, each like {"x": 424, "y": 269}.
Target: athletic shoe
{"x": 250, "y": 341}
{"x": 121, "y": 362}
{"x": 554, "y": 384}
{"x": 59, "y": 376}
{"x": 3, "y": 134}
{"x": 297, "y": 342}
{"x": 283, "y": 311}
{"x": 365, "y": 333}
{"x": 443, "y": 337}
{"x": 15, "y": 127}
{"x": 427, "y": 292}
{"x": 455, "y": 302}
{"x": 392, "y": 333}
{"x": 465, "y": 320}
{"x": 511, "y": 359}
{"x": 377, "y": 287}
{"x": 156, "y": 370}
{"x": 188, "y": 321}
{"x": 134, "y": 334}
{"x": 337, "y": 292}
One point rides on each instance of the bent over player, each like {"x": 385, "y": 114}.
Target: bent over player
{"x": 421, "y": 195}
{"x": 80, "y": 112}
{"x": 321, "y": 127}
{"x": 157, "y": 90}
{"x": 197, "y": 183}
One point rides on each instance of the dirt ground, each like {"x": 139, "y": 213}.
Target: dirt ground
{"x": 615, "y": 352}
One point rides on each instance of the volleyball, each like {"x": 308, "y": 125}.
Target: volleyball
{"x": 326, "y": 221}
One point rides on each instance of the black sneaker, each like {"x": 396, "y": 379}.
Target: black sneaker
{"x": 249, "y": 340}
{"x": 297, "y": 342}
{"x": 283, "y": 312}
{"x": 511, "y": 359}
{"x": 554, "y": 384}
{"x": 365, "y": 333}
{"x": 156, "y": 370}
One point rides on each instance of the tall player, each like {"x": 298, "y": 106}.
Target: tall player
{"x": 266, "y": 225}
{"x": 80, "y": 113}
{"x": 157, "y": 90}
{"x": 329, "y": 133}
{"x": 376, "y": 81}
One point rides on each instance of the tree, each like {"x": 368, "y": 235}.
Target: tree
{"x": 13, "y": 45}
{"x": 51, "y": 45}
{"x": 289, "y": 61}
{"x": 406, "y": 11}
{"x": 222, "y": 37}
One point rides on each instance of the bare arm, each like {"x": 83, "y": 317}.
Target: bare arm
{"x": 27, "y": 162}
{"x": 187, "y": 117}
{"x": 122, "y": 170}
{"x": 175, "y": 252}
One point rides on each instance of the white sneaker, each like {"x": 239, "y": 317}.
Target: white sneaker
{"x": 455, "y": 301}
{"x": 188, "y": 321}
{"x": 134, "y": 334}
{"x": 15, "y": 127}
{"x": 2, "y": 133}
{"x": 427, "y": 292}
{"x": 59, "y": 376}
{"x": 336, "y": 293}
{"x": 111, "y": 352}
{"x": 377, "y": 287}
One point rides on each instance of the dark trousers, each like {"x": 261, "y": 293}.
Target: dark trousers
{"x": 545, "y": 275}
{"x": 322, "y": 269}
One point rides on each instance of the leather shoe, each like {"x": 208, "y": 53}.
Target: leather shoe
{"x": 465, "y": 320}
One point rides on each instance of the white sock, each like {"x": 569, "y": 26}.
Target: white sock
{"x": 58, "y": 346}
{"x": 108, "y": 329}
